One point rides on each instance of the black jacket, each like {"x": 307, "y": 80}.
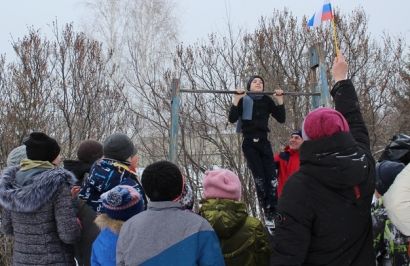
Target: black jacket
{"x": 325, "y": 207}
{"x": 262, "y": 108}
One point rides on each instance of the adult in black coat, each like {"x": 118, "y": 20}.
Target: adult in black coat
{"x": 325, "y": 207}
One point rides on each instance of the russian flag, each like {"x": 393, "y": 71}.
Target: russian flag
{"x": 324, "y": 14}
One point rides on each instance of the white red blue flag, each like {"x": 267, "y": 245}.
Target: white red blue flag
{"x": 325, "y": 13}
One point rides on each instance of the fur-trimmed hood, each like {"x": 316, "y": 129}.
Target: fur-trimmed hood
{"x": 104, "y": 221}
{"x": 31, "y": 197}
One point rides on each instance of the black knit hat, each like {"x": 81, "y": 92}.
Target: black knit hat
{"x": 89, "y": 151}
{"x": 296, "y": 132}
{"x": 41, "y": 147}
{"x": 162, "y": 181}
{"x": 119, "y": 147}
{"x": 248, "y": 85}
{"x": 386, "y": 172}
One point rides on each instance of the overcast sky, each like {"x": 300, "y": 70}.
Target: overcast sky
{"x": 198, "y": 18}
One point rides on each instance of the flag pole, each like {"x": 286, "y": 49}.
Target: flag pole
{"x": 334, "y": 34}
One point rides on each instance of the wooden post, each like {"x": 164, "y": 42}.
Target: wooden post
{"x": 173, "y": 139}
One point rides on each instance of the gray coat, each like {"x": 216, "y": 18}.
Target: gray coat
{"x": 38, "y": 211}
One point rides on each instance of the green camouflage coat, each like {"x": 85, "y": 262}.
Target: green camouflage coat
{"x": 390, "y": 245}
{"x": 244, "y": 239}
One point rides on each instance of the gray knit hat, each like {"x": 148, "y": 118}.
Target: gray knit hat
{"x": 16, "y": 155}
{"x": 119, "y": 147}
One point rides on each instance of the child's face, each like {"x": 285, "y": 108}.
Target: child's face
{"x": 256, "y": 84}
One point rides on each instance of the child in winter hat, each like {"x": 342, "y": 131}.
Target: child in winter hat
{"x": 222, "y": 184}
{"x": 162, "y": 181}
{"x": 244, "y": 239}
{"x": 390, "y": 244}
{"x": 323, "y": 122}
{"x": 251, "y": 78}
{"x": 89, "y": 151}
{"x": 16, "y": 156}
{"x": 117, "y": 167}
{"x": 119, "y": 204}
{"x": 40, "y": 147}
{"x": 386, "y": 172}
{"x": 119, "y": 147}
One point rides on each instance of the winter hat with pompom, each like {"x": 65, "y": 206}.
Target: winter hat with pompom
{"x": 122, "y": 202}
{"x": 221, "y": 184}
{"x": 323, "y": 122}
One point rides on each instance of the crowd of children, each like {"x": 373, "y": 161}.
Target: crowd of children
{"x": 95, "y": 211}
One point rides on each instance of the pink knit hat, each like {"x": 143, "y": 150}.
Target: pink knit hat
{"x": 222, "y": 184}
{"x": 323, "y": 122}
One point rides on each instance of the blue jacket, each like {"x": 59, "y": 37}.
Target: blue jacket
{"x": 104, "y": 246}
{"x": 165, "y": 234}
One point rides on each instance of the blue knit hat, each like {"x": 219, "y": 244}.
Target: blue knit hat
{"x": 122, "y": 202}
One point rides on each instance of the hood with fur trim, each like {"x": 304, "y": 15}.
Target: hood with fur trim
{"x": 104, "y": 221}
{"x": 31, "y": 197}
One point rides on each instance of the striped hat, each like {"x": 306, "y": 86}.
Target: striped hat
{"x": 122, "y": 202}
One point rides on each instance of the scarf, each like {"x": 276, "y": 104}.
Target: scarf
{"x": 247, "y": 109}
{"x": 27, "y": 164}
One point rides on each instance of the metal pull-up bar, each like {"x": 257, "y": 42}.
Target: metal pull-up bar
{"x": 289, "y": 93}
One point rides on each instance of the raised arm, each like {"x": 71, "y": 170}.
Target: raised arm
{"x": 236, "y": 108}
{"x": 347, "y": 103}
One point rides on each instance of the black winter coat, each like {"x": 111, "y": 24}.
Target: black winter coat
{"x": 262, "y": 109}
{"x": 325, "y": 207}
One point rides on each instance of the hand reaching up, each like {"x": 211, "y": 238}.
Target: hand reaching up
{"x": 339, "y": 69}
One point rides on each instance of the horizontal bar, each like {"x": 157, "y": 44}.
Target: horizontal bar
{"x": 290, "y": 93}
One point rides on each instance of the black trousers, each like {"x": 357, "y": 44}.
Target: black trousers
{"x": 259, "y": 156}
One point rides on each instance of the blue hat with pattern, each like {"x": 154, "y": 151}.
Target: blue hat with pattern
{"x": 122, "y": 202}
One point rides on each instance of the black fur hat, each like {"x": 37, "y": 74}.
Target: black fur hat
{"x": 162, "y": 181}
{"x": 41, "y": 147}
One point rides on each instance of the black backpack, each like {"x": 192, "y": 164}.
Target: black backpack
{"x": 397, "y": 150}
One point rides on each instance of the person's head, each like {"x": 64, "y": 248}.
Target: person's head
{"x": 295, "y": 140}
{"x": 89, "y": 151}
{"x": 122, "y": 202}
{"x": 16, "y": 155}
{"x": 386, "y": 172}
{"x": 162, "y": 181}
{"x": 119, "y": 147}
{"x": 221, "y": 184}
{"x": 41, "y": 147}
{"x": 323, "y": 122}
{"x": 255, "y": 83}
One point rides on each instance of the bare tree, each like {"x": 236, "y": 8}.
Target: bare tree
{"x": 85, "y": 95}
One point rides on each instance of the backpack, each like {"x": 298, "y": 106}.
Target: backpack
{"x": 397, "y": 150}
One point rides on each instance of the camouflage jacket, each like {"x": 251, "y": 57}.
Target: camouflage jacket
{"x": 390, "y": 245}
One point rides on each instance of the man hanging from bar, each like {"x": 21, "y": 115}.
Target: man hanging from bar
{"x": 252, "y": 112}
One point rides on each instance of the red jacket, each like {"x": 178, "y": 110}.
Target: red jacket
{"x": 287, "y": 163}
